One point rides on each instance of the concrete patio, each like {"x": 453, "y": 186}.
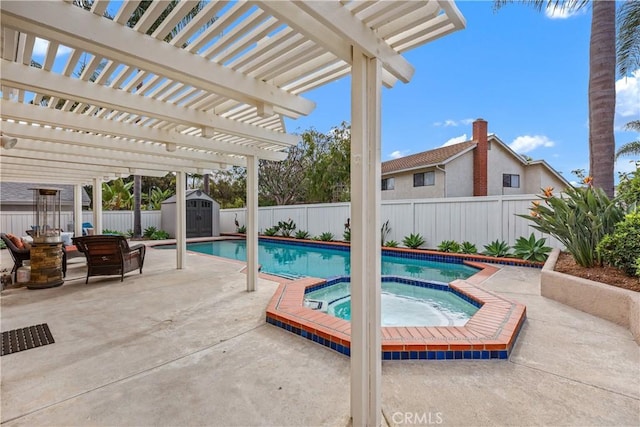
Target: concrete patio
{"x": 191, "y": 347}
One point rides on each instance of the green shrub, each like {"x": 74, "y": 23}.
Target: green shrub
{"x": 638, "y": 267}
{"x": 301, "y": 234}
{"x": 628, "y": 191}
{"x": 531, "y": 249}
{"x": 242, "y": 229}
{"x": 621, "y": 249}
{"x": 326, "y": 236}
{"x": 347, "y": 235}
{"x": 271, "y": 231}
{"x": 468, "y": 248}
{"x": 3, "y": 245}
{"x": 449, "y": 246}
{"x": 129, "y": 233}
{"x": 497, "y": 249}
{"x": 413, "y": 241}
{"x": 579, "y": 220}
{"x": 286, "y": 227}
{"x": 148, "y": 232}
{"x": 384, "y": 232}
{"x": 160, "y": 235}
{"x": 112, "y": 232}
{"x": 391, "y": 244}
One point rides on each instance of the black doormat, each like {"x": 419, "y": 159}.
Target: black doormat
{"x": 26, "y": 338}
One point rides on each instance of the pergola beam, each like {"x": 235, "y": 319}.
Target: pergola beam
{"x": 85, "y": 154}
{"x": 57, "y": 118}
{"x": 40, "y": 81}
{"x": 331, "y": 26}
{"x": 72, "y": 26}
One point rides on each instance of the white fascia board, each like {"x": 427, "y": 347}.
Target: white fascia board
{"x": 40, "y": 81}
{"x": 56, "y": 118}
{"x": 74, "y": 27}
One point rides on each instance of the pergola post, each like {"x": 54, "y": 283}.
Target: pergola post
{"x": 366, "y": 363}
{"x": 181, "y": 220}
{"x": 97, "y": 205}
{"x": 77, "y": 210}
{"x": 252, "y": 223}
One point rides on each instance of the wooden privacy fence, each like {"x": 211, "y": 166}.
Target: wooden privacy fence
{"x": 479, "y": 220}
{"x": 18, "y": 222}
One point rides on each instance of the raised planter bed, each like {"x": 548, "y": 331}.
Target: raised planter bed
{"x": 617, "y": 305}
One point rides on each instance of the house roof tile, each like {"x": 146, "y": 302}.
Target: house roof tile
{"x": 426, "y": 158}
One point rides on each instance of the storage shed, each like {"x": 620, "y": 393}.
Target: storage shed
{"x": 203, "y": 215}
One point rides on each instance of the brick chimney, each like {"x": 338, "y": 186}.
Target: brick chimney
{"x": 480, "y": 157}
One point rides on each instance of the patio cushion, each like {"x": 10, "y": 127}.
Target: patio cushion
{"x": 16, "y": 241}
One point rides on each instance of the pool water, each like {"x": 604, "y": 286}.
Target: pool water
{"x": 401, "y": 304}
{"x": 296, "y": 261}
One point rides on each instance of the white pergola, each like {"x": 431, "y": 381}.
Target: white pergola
{"x": 165, "y": 94}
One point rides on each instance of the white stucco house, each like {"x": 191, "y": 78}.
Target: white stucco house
{"x": 484, "y": 166}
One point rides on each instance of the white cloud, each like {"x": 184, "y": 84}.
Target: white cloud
{"x": 40, "y": 48}
{"x": 527, "y": 143}
{"x": 625, "y": 164}
{"x": 397, "y": 154}
{"x": 456, "y": 140}
{"x": 559, "y": 13}
{"x": 454, "y": 123}
{"x": 627, "y": 99}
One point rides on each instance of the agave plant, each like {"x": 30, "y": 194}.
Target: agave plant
{"x": 391, "y": 244}
{"x": 468, "y": 248}
{"x": 413, "y": 241}
{"x": 497, "y": 248}
{"x": 449, "y": 246}
{"x": 531, "y": 249}
{"x": 302, "y": 234}
{"x": 271, "y": 231}
{"x": 347, "y": 235}
{"x": 326, "y": 236}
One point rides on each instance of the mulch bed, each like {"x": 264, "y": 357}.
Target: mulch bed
{"x": 607, "y": 274}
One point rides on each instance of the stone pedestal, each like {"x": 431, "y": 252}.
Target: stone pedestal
{"x": 46, "y": 266}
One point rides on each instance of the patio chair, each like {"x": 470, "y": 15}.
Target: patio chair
{"x": 24, "y": 254}
{"x": 18, "y": 254}
{"x": 110, "y": 255}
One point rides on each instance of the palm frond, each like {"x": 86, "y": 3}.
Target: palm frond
{"x": 628, "y": 39}
{"x": 540, "y": 5}
{"x": 633, "y": 125}
{"x": 629, "y": 149}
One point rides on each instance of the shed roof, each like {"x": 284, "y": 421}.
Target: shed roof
{"x": 191, "y": 195}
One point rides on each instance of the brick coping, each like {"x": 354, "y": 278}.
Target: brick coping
{"x": 489, "y": 334}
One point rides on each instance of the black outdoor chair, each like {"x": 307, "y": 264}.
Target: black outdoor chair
{"x": 17, "y": 254}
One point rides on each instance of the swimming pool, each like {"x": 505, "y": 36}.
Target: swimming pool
{"x": 403, "y": 303}
{"x": 294, "y": 261}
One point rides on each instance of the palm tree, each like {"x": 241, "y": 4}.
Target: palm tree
{"x": 602, "y": 80}
{"x": 630, "y": 148}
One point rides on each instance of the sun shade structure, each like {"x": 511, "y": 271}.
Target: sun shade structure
{"x": 148, "y": 91}
{"x": 97, "y": 90}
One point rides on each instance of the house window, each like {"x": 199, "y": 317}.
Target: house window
{"x": 510, "y": 180}
{"x": 388, "y": 184}
{"x": 424, "y": 178}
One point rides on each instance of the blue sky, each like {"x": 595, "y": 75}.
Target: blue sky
{"x": 524, "y": 72}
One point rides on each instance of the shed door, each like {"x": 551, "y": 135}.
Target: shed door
{"x": 199, "y": 218}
